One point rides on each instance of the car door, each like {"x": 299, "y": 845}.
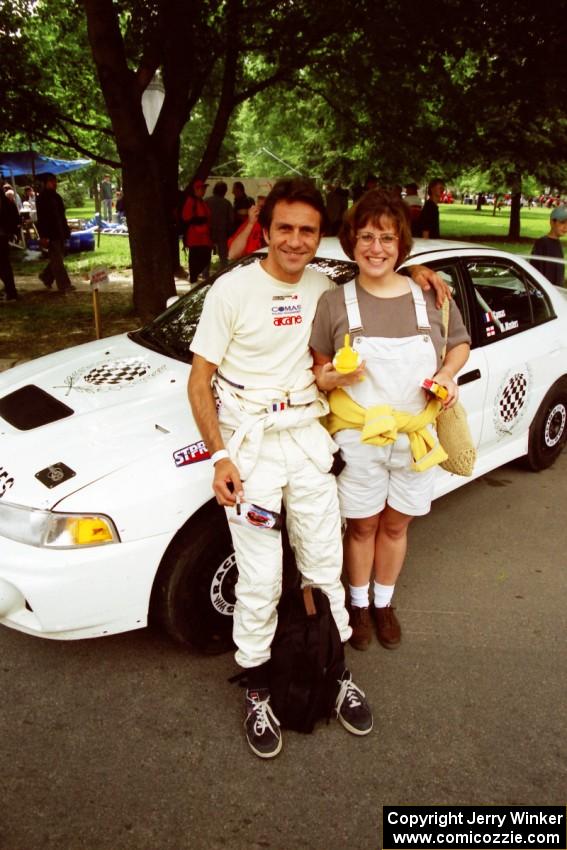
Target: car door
{"x": 508, "y": 312}
{"x": 473, "y": 377}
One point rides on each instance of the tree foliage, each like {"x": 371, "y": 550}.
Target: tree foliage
{"x": 332, "y": 89}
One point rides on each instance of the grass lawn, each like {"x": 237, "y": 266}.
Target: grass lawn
{"x": 464, "y": 222}
{"x": 110, "y": 251}
{"x": 43, "y": 322}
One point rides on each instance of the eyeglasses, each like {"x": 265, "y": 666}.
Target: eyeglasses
{"x": 386, "y": 240}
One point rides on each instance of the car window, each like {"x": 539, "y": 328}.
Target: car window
{"x": 507, "y": 301}
{"x": 172, "y": 333}
{"x": 449, "y": 273}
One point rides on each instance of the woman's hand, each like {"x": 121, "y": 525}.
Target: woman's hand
{"x": 329, "y": 379}
{"x": 444, "y": 379}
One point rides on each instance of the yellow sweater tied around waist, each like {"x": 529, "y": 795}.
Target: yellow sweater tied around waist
{"x": 381, "y": 426}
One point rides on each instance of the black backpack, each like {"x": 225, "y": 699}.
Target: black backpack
{"x": 307, "y": 660}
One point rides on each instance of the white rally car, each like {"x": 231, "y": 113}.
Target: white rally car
{"x": 106, "y": 516}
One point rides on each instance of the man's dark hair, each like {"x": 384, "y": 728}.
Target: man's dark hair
{"x": 45, "y": 178}
{"x": 437, "y": 181}
{"x": 238, "y": 185}
{"x": 220, "y": 189}
{"x": 293, "y": 190}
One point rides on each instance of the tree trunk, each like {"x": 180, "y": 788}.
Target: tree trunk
{"x": 516, "y": 190}
{"x": 144, "y": 192}
{"x": 152, "y": 268}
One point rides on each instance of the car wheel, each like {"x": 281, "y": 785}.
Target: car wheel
{"x": 193, "y": 594}
{"x": 548, "y": 431}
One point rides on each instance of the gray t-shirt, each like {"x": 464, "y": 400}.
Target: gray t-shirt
{"x": 382, "y": 317}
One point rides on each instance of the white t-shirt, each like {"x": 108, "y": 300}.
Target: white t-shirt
{"x": 256, "y": 329}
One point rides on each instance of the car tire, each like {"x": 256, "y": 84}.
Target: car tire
{"x": 548, "y": 431}
{"x": 193, "y": 593}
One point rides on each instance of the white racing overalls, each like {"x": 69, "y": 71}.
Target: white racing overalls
{"x": 283, "y": 453}
{"x": 395, "y": 368}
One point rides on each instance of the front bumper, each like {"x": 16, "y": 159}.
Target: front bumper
{"x": 78, "y": 593}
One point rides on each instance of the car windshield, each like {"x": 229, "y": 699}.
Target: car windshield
{"x": 172, "y": 332}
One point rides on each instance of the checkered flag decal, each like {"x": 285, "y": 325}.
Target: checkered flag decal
{"x": 117, "y": 372}
{"x": 513, "y": 397}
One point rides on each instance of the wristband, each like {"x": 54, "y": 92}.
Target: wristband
{"x": 220, "y": 455}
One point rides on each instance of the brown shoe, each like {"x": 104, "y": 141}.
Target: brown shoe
{"x": 361, "y": 628}
{"x": 388, "y": 628}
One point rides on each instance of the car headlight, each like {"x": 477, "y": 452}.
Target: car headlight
{"x": 55, "y": 530}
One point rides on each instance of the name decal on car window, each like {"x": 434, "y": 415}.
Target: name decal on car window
{"x": 191, "y": 454}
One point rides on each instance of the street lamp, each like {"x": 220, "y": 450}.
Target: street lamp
{"x": 152, "y": 101}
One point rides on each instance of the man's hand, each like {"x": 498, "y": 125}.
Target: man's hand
{"x": 227, "y": 485}
{"x": 427, "y": 278}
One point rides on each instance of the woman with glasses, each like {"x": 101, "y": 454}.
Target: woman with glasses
{"x": 380, "y": 416}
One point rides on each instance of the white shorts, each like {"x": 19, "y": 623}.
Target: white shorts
{"x": 378, "y": 475}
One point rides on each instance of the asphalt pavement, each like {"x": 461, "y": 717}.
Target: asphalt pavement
{"x": 133, "y": 743}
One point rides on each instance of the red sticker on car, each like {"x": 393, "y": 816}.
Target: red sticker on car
{"x": 191, "y": 454}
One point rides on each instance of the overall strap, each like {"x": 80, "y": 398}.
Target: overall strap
{"x": 421, "y": 317}
{"x": 352, "y": 308}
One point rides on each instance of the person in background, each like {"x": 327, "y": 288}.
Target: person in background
{"x": 13, "y": 196}
{"x": 30, "y": 200}
{"x": 53, "y": 232}
{"x": 427, "y": 225}
{"x": 196, "y": 216}
{"x": 222, "y": 216}
{"x": 249, "y": 237}
{"x": 106, "y": 198}
{"x": 550, "y": 246}
{"x": 413, "y": 202}
{"x": 242, "y": 204}
{"x": 9, "y": 226}
{"x": 120, "y": 206}
{"x": 337, "y": 205}
{"x": 398, "y": 332}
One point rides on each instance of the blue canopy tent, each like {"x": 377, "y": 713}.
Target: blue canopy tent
{"x": 29, "y": 162}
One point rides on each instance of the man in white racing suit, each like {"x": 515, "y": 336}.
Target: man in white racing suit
{"x": 255, "y": 401}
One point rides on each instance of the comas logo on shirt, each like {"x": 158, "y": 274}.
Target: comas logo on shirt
{"x": 286, "y": 310}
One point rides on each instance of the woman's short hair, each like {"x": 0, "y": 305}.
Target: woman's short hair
{"x": 293, "y": 190}
{"x": 369, "y": 210}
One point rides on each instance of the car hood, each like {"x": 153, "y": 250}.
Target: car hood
{"x": 77, "y": 415}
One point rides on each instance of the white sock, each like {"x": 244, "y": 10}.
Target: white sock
{"x": 359, "y": 595}
{"x": 383, "y": 594}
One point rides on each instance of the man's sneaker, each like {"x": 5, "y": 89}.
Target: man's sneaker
{"x": 47, "y": 283}
{"x": 388, "y": 627}
{"x": 352, "y": 709}
{"x": 361, "y": 628}
{"x": 262, "y": 726}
